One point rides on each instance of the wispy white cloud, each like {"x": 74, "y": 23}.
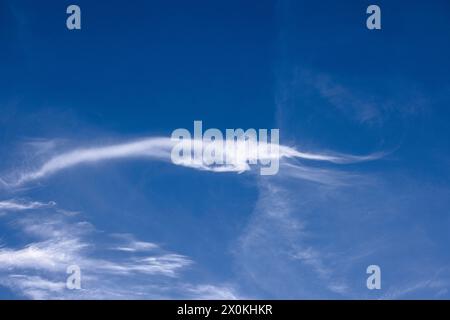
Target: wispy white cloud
{"x": 50, "y": 255}
{"x": 129, "y": 244}
{"x": 138, "y": 270}
{"x": 153, "y": 147}
{"x": 42, "y": 288}
{"x": 165, "y": 264}
{"x": 331, "y": 177}
{"x": 160, "y": 148}
{"x": 436, "y": 283}
{"x": 211, "y": 292}
{"x": 65, "y": 244}
{"x": 279, "y": 241}
{"x": 34, "y": 287}
{"x": 20, "y": 205}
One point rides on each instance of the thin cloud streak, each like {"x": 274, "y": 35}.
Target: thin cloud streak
{"x": 38, "y": 270}
{"x": 159, "y": 148}
{"x": 20, "y": 205}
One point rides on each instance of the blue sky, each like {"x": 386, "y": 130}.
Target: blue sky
{"x": 141, "y": 227}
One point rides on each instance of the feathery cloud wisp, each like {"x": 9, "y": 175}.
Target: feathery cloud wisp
{"x": 142, "y": 271}
{"x": 159, "y": 148}
{"x": 20, "y": 205}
